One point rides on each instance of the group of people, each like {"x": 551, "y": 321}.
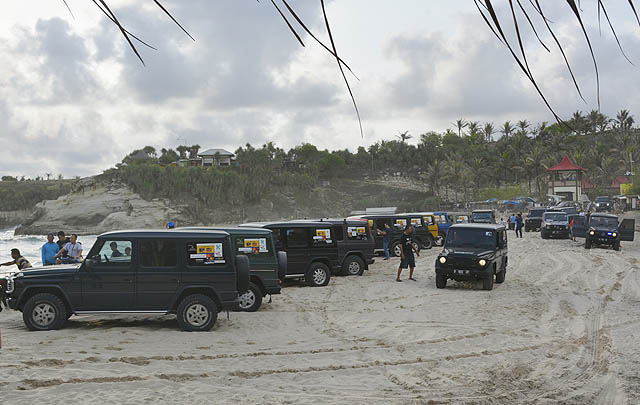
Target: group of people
{"x": 64, "y": 250}
{"x": 514, "y": 222}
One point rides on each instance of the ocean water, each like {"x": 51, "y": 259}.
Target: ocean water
{"x": 29, "y": 246}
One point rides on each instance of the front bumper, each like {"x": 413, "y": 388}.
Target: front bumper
{"x": 465, "y": 273}
{"x": 602, "y": 240}
{"x": 556, "y": 232}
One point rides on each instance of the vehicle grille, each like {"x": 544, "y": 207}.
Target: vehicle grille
{"x": 462, "y": 262}
{"x": 557, "y": 228}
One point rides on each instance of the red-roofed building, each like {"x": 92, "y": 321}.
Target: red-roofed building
{"x": 565, "y": 179}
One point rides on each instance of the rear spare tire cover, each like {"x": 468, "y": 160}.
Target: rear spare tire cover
{"x": 242, "y": 268}
{"x": 282, "y": 265}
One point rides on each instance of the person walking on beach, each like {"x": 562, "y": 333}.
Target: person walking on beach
{"x": 18, "y": 260}
{"x": 386, "y": 238}
{"x": 49, "y": 251}
{"x": 406, "y": 253}
{"x": 573, "y": 238}
{"x": 512, "y": 223}
{"x": 73, "y": 251}
{"x": 519, "y": 225}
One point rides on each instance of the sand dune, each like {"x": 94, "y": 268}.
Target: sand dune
{"x": 564, "y": 327}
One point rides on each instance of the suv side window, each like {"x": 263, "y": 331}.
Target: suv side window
{"x": 322, "y": 237}
{"x": 158, "y": 253}
{"x": 205, "y": 253}
{"x": 429, "y": 220}
{"x": 357, "y": 232}
{"x": 441, "y": 219}
{"x": 253, "y": 246}
{"x": 399, "y": 224}
{"x": 297, "y": 237}
{"x": 416, "y": 222}
{"x": 115, "y": 252}
{"x": 381, "y": 221}
{"x": 278, "y": 238}
{"x": 338, "y": 232}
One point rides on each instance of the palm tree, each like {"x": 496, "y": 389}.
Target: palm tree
{"x": 404, "y": 136}
{"x": 507, "y": 129}
{"x": 474, "y": 127}
{"x": 460, "y": 124}
{"x": 182, "y": 150}
{"x": 534, "y": 163}
{"x": 523, "y": 126}
{"x": 488, "y": 131}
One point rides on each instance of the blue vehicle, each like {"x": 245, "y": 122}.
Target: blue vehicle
{"x": 444, "y": 221}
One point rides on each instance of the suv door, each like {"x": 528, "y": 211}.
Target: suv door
{"x": 579, "y": 226}
{"x": 263, "y": 261}
{"x": 109, "y": 284}
{"x": 627, "y": 229}
{"x": 297, "y": 247}
{"x": 379, "y": 225}
{"x": 158, "y": 277}
{"x": 324, "y": 246}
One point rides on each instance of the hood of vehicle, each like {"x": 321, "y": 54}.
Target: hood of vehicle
{"x": 48, "y": 271}
{"x": 602, "y": 228}
{"x": 556, "y": 222}
{"x": 466, "y": 251}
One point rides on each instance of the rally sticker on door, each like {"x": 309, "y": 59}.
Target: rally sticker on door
{"x": 208, "y": 253}
{"x": 254, "y": 246}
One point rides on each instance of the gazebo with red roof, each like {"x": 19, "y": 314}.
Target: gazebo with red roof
{"x": 565, "y": 179}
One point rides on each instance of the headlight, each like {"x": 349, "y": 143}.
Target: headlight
{"x": 10, "y": 285}
{"x": 592, "y": 233}
{"x": 482, "y": 262}
{"x": 614, "y": 234}
{"x": 442, "y": 260}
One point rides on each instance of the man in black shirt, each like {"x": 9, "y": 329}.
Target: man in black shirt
{"x": 406, "y": 253}
{"x": 62, "y": 239}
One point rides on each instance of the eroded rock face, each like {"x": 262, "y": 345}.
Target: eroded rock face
{"x": 96, "y": 210}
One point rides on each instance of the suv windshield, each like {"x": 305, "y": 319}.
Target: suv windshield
{"x": 472, "y": 238}
{"x": 555, "y": 216}
{"x": 604, "y": 222}
{"x": 602, "y": 199}
{"x": 482, "y": 215}
{"x": 536, "y": 213}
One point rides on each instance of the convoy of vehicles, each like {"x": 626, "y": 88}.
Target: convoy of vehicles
{"x": 473, "y": 252}
{"x": 422, "y": 229}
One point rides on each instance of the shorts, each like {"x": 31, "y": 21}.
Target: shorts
{"x": 408, "y": 261}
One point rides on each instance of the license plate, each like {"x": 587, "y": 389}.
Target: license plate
{"x": 461, "y": 272}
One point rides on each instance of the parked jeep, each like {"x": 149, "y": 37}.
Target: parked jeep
{"x": 473, "y": 252}
{"x": 483, "y": 217}
{"x": 533, "y": 222}
{"x": 398, "y": 222}
{"x": 318, "y": 249}
{"x": 193, "y": 274}
{"x": 268, "y": 266}
{"x": 605, "y": 230}
{"x": 556, "y": 224}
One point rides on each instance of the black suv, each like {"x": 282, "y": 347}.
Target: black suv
{"x": 603, "y": 203}
{"x": 317, "y": 249}
{"x": 398, "y": 222}
{"x": 483, "y": 217}
{"x": 193, "y": 274}
{"x": 268, "y": 266}
{"x": 533, "y": 222}
{"x": 555, "y": 224}
{"x": 604, "y": 230}
{"x": 473, "y": 252}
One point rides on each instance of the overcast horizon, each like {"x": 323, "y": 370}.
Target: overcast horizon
{"x": 75, "y": 99}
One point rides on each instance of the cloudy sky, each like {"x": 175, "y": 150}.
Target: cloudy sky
{"x": 74, "y": 99}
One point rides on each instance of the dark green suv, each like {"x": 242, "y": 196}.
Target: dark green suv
{"x": 473, "y": 252}
{"x": 193, "y": 274}
{"x": 268, "y": 266}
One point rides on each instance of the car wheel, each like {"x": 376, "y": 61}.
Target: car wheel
{"x": 501, "y": 276}
{"x": 353, "y": 266}
{"x": 197, "y": 313}
{"x": 428, "y": 244}
{"x": 318, "y": 275}
{"x": 487, "y": 283}
{"x": 44, "y": 312}
{"x": 442, "y": 237}
{"x": 587, "y": 244}
{"x": 543, "y": 235}
{"x": 616, "y": 246}
{"x": 252, "y": 299}
{"x": 441, "y": 281}
{"x": 396, "y": 249}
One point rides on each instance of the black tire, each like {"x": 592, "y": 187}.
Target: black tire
{"x": 487, "y": 283}
{"x": 442, "y": 238}
{"x": 283, "y": 263}
{"x": 395, "y": 249}
{"x": 429, "y": 243}
{"x": 587, "y": 244}
{"x": 44, "y": 311}
{"x": 501, "y": 276}
{"x": 616, "y": 246}
{"x": 318, "y": 275}
{"x": 243, "y": 273}
{"x": 543, "y": 235}
{"x": 197, "y": 313}
{"x": 526, "y": 229}
{"x": 252, "y": 299}
{"x": 353, "y": 266}
{"x": 441, "y": 281}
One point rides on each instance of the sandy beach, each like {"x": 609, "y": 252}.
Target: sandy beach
{"x": 564, "y": 327}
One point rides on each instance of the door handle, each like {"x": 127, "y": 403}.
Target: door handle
{"x": 127, "y": 280}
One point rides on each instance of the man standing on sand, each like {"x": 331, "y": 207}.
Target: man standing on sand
{"x": 49, "y": 251}
{"x": 512, "y": 223}
{"x": 386, "y": 239}
{"x": 18, "y": 260}
{"x": 519, "y": 225}
{"x": 406, "y": 253}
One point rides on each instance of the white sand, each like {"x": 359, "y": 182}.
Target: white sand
{"x": 564, "y": 327}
